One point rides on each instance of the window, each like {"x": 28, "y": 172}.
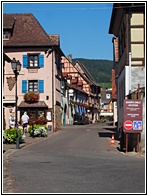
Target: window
{"x": 33, "y": 112}
{"x": 32, "y": 86}
{"x": 33, "y": 61}
{"x": 6, "y": 35}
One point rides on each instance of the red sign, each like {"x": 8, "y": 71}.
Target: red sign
{"x": 128, "y": 125}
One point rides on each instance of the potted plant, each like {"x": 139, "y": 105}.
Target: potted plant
{"x": 32, "y": 120}
{"x": 39, "y": 131}
{"x": 9, "y": 135}
{"x": 40, "y": 120}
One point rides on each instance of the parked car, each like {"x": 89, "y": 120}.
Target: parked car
{"x": 80, "y": 119}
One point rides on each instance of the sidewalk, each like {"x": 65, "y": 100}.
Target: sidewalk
{"x": 9, "y": 185}
{"x": 28, "y": 140}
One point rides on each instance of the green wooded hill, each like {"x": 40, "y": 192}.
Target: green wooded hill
{"x": 99, "y": 69}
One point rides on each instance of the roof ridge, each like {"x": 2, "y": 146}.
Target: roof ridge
{"x": 29, "y": 13}
{"x": 92, "y": 79}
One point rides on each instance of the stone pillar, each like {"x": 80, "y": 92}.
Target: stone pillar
{"x": 57, "y": 118}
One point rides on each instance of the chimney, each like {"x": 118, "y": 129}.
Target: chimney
{"x": 70, "y": 57}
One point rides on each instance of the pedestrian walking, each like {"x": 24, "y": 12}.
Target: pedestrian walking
{"x": 25, "y": 120}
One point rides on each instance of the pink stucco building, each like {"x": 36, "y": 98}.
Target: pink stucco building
{"x": 40, "y": 55}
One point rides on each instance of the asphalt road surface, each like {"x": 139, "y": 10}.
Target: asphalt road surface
{"x": 78, "y": 159}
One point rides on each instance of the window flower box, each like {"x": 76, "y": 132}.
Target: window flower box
{"x": 31, "y": 97}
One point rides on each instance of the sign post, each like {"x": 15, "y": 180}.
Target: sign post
{"x": 132, "y": 122}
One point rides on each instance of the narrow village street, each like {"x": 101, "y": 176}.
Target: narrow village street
{"x": 77, "y": 159}
{"x": 68, "y": 95}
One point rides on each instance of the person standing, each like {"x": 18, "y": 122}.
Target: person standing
{"x": 25, "y": 119}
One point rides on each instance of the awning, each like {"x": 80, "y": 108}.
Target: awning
{"x": 39, "y": 104}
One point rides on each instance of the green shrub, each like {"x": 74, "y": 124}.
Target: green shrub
{"x": 9, "y": 135}
{"x": 39, "y": 131}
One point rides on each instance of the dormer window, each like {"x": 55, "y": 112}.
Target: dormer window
{"x": 6, "y": 35}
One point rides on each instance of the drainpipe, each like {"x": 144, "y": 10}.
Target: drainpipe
{"x": 53, "y": 90}
{"x": 129, "y": 49}
{"x": 48, "y": 52}
{"x": 129, "y": 73}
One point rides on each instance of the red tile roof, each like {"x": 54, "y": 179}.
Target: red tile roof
{"x": 86, "y": 73}
{"x": 73, "y": 86}
{"x": 74, "y": 81}
{"x": 26, "y": 31}
{"x": 80, "y": 84}
{"x": 64, "y": 74}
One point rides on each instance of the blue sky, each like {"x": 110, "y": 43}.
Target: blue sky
{"x": 83, "y": 27}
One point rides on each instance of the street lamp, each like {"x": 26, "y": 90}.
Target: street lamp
{"x": 16, "y": 67}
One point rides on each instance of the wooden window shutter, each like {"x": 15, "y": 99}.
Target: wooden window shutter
{"x": 25, "y": 61}
{"x": 24, "y": 86}
{"x": 41, "y": 86}
{"x": 41, "y": 60}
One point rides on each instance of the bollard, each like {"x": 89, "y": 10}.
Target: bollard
{"x": 17, "y": 137}
{"x": 32, "y": 131}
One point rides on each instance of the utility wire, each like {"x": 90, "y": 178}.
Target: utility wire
{"x": 38, "y": 9}
{"x": 97, "y": 8}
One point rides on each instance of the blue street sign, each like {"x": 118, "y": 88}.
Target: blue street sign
{"x": 137, "y": 125}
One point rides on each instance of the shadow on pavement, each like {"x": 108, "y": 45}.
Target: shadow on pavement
{"x": 105, "y": 134}
{"x": 109, "y": 135}
{"x": 109, "y": 131}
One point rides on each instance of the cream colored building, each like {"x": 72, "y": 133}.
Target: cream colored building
{"x": 128, "y": 27}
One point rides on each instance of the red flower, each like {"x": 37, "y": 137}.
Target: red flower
{"x": 31, "y": 96}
